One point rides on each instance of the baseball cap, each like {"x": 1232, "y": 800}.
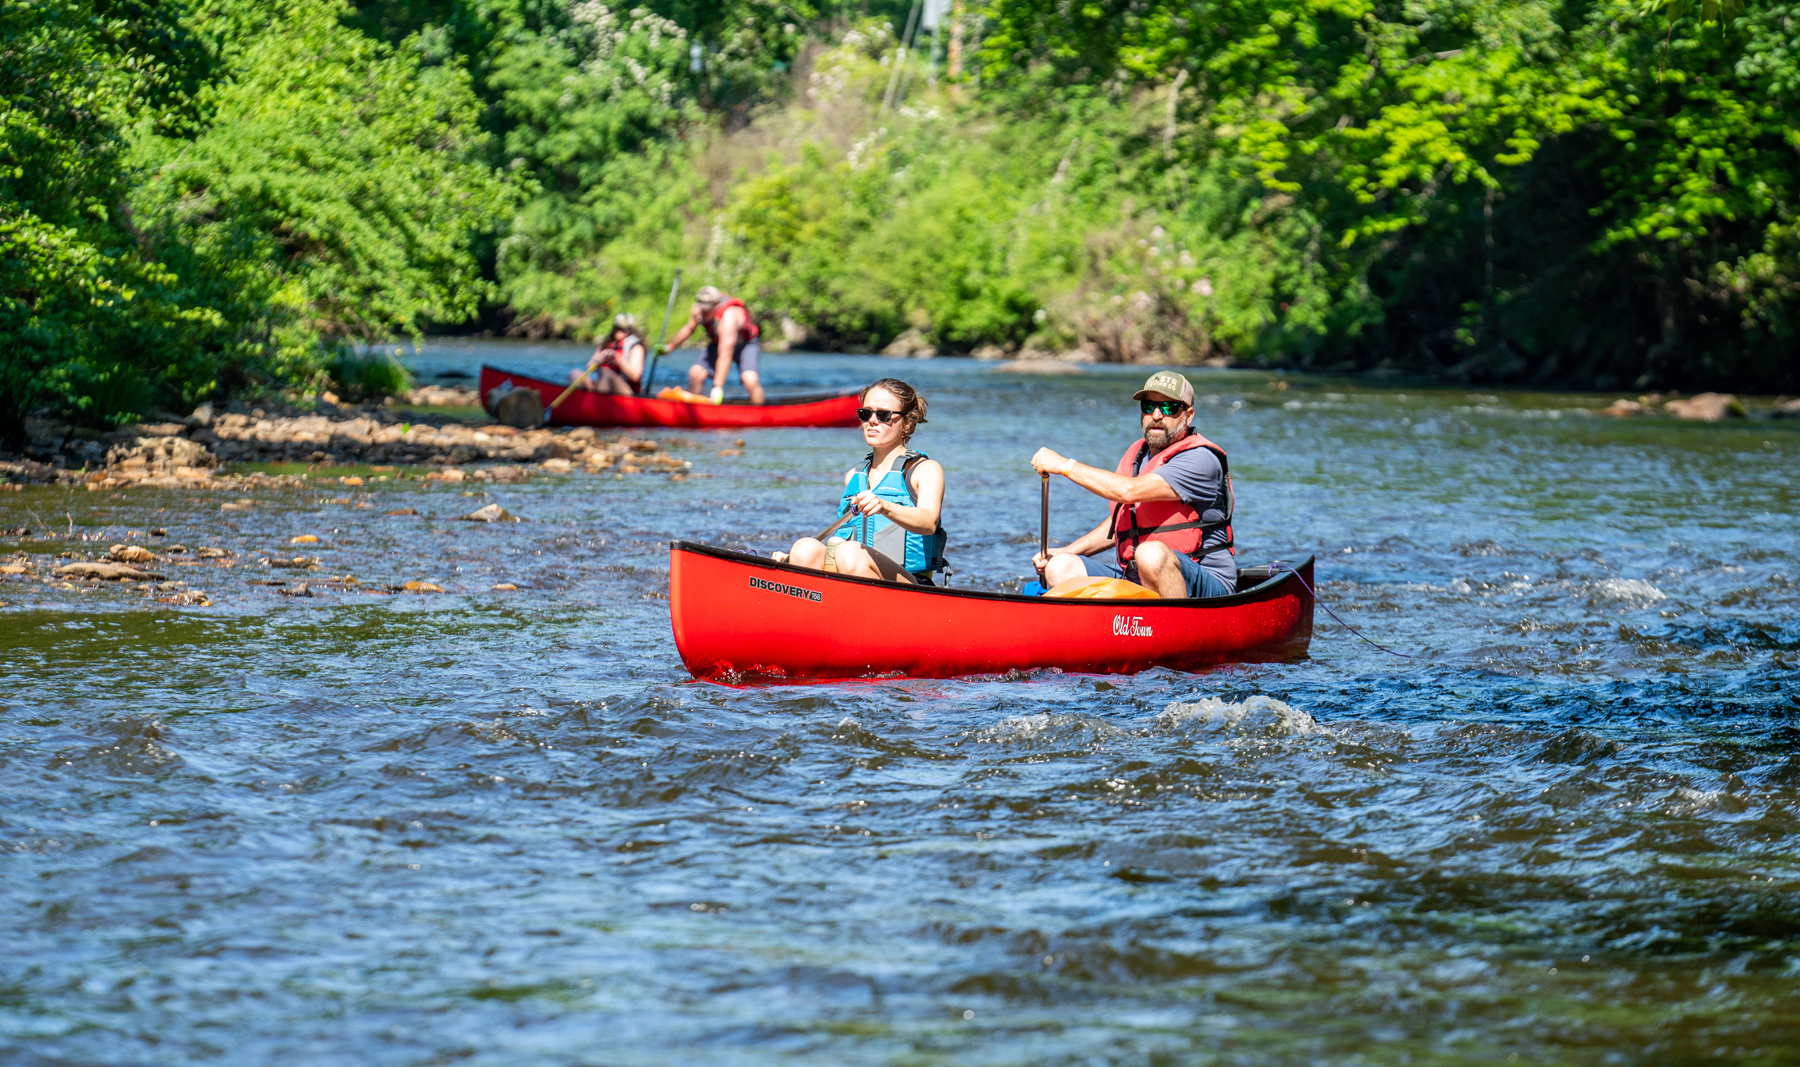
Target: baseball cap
{"x": 708, "y": 294}
{"x": 1168, "y": 383}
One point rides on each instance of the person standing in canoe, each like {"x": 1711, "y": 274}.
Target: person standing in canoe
{"x": 1171, "y": 496}
{"x": 896, "y": 496}
{"x": 731, "y": 337}
{"x": 617, "y": 365}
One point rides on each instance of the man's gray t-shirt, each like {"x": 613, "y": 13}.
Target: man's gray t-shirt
{"x": 1199, "y": 480}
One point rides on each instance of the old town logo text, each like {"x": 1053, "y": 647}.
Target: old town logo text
{"x": 790, "y": 590}
{"x": 1131, "y": 626}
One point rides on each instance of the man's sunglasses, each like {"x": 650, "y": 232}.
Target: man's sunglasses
{"x": 1170, "y": 408}
{"x": 881, "y": 415}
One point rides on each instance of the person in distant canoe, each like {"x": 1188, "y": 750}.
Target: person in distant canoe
{"x": 617, "y": 365}
{"x": 731, "y": 337}
{"x": 897, "y": 495}
{"x": 1170, "y": 524}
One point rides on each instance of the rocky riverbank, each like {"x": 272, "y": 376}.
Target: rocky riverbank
{"x": 389, "y": 438}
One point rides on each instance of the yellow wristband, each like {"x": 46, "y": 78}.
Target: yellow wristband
{"x": 1067, "y": 467}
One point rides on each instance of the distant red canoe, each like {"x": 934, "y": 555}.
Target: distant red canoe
{"x": 584, "y": 408}
{"x": 741, "y": 618}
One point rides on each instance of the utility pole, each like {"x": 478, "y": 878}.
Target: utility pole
{"x": 956, "y": 47}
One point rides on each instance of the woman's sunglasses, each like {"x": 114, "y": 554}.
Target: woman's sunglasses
{"x": 881, "y": 415}
{"x": 1170, "y": 408}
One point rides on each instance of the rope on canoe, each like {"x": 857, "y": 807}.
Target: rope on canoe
{"x": 1319, "y": 601}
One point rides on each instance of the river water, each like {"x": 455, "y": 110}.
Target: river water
{"x": 505, "y": 827}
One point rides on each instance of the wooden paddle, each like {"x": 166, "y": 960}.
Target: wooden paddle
{"x": 574, "y": 385}
{"x": 656, "y": 353}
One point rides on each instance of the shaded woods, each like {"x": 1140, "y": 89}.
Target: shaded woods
{"x": 219, "y": 197}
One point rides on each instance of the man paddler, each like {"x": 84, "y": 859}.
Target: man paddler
{"x": 731, "y": 337}
{"x": 1170, "y": 523}
{"x": 617, "y": 365}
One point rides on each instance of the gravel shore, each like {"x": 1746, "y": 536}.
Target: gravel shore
{"x": 192, "y": 452}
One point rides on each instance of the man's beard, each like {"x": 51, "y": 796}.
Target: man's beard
{"x": 1159, "y": 439}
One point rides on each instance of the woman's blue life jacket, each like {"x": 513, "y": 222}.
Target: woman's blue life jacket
{"x": 921, "y": 555}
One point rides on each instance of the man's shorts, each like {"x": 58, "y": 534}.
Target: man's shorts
{"x": 749, "y": 354}
{"x": 1200, "y": 581}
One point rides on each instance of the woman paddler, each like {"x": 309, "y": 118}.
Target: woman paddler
{"x": 897, "y": 496}
{"x": 617, "y": 365}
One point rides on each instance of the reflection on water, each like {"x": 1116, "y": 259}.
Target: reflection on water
{"x": 503, "y": 828}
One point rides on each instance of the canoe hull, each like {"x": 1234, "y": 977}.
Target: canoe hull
{"x": 740, "y": 618}
{"x": 584, "y": 408}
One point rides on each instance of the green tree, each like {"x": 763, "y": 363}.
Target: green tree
{"x": 77, "y": 298}
{"x": 333, "y": 193}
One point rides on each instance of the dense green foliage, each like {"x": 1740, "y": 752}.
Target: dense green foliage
{"x": 199, "y": 196}
{"x": 1556, "y": 190}
{"x": 1547, "y": 186}
{"x": 192, "y": 199}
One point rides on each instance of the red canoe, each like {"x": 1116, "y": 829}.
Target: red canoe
{"x": 741, "y": 618}
{"x": 584, "y": 408}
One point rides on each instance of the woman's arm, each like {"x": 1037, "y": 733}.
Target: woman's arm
{"x": 631, "y": 361}
{"x": 928, "y": 486}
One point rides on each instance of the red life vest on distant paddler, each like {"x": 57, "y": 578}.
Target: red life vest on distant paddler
{"x": 1173, "y": 522}
{"x": 751, "y": 330}
{"x": 610, "y": 357}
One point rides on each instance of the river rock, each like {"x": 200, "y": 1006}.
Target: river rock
{"x": 1706, "y": 407}
{"x": 212, "y": 553}
{"x": 297, "y": 563}
{"x": 1788, "y": 409}
{"x": 520, "y": 407}
{"x": 109, "y": 572}
{"x": 1038, "y": 366}
{"x": 1622, "y": 408}
{"x": 130, "y": 554}
{"x": 202, "y": 416}
{"x": 161, "y": 454}
{"x": 491, "y": 513}
{"x": 913, "y": 344}
{"x": 299, "y": 589}
{"x": 443, "y": 396}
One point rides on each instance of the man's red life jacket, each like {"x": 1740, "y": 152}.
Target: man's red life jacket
{"x": 1173, "y": 522}
{"x": 751, "y": 330}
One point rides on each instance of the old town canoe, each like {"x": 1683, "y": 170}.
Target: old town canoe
{"x": 584, "y": 408}
{"x": 740, "y": 618}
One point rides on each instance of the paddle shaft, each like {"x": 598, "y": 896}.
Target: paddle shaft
{"x": 833, "y": 528}
{"x": 656, "y": 353}
{"x": 1044, "y": 523}
{"x": 565, "y": 395}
